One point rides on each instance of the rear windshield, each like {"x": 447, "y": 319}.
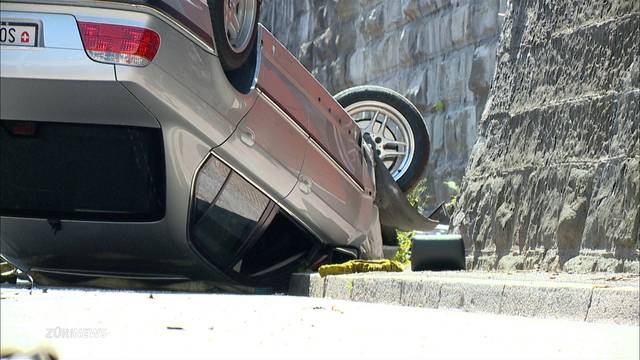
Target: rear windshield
{"x": 82, "y": 172}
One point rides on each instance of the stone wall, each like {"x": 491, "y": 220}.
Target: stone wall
{"x": 432, "y": 51}
{"x": 553, "y": 182}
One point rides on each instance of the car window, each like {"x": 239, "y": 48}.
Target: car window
{"x": 82, "y": 172}
{"x": 222, "y": 221}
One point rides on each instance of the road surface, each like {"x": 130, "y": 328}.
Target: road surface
{"x": 83, "y": 324}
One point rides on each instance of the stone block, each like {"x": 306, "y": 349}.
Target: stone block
{"x": 631, "y": 266}
{"x": 460, "y": 25}
{"x": 546, "y": 301}
{"x": 373, "y": 22}
{"x": 484, "y": 19}
{"x": 482, "y": 69}
{"x": 618, "y": 305}
{"x": 376, "y": 290}
{"x": 437, "y": 136}
{"x": 338, "y": 287}
{"x": 411, "y": 44}
{"x": 347, "y": 9}
{"x": 324, "y": 47}
{"x": 393, "y": 14}
{"x": 356, "y": 67}
{"x": 345, "y": 39}
{"x": 413, "y": 82}
{"x": 455, "y": 130}
{"x": 411, "y": 9}
{"x": 473, "y": 297}
{"x": 511, "y": 263}
{"x": 432, "y": 7}
{"x": 316, "y": 286}
{"x": 609, "y": 264}
{"x": 581, "y": 264}
{"x": 305, "y": 55}
{"x": 420, "y": 293}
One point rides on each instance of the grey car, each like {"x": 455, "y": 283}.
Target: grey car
{"x": 175, "y": 141}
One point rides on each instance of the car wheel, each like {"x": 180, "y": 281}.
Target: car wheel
{"x": 235, "y": 29}
{"x": 396, "y": 126}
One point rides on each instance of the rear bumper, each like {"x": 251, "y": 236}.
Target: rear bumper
{"x": 63, "y": 85}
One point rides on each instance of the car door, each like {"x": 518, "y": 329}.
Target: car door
{"x": 268, "y": 148}
{"x": 332, "y": 204}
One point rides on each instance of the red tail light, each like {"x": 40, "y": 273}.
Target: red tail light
{"x": 22, "y": 128}
{"x": 119, "y": 44}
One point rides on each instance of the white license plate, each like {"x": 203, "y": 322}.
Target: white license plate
{"x": 18, "y": 34}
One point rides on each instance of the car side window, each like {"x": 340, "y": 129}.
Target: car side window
{"x": 226, "y": 211}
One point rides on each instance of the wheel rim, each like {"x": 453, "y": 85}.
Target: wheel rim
{"x": 239, "y": 20}
{"x": 390, "y": 131}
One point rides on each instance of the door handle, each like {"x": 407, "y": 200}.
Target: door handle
{"x": 305, "y": 184}
{"x": 248, "y": 137}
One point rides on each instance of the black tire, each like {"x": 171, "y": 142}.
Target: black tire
{"x": 420, "y": 157}
{"x": 229, "y": 59}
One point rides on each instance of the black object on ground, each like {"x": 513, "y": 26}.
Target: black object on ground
{"x": 437, "y": 252}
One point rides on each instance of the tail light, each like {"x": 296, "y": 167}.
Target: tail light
{"x": 119, "y": 44}
{"x": 22, "y": 128}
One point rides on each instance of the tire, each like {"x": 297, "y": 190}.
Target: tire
{"x": 233, "y": 52}
{"x": 404, "y": 124}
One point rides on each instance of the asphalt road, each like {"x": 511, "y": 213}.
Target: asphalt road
{"x": 83, "y": 324}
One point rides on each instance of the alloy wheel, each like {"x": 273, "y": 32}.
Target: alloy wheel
{"x": 391, "y": 132}
{"x": 239, "y": 20}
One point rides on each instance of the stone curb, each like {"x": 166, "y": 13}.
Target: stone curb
{"x": 581, "y": 301}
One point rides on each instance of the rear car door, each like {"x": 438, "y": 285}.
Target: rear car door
{"x": 268, "y": 146}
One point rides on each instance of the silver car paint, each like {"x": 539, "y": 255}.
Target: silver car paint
{"x": 68, "y": 76}
{"x": 210, "y": 48}
{"x": 267, "y": 148}
{"x": 186, "y": 92}
{"x": 300, "y": 95}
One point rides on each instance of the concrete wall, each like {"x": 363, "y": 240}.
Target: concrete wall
{"x": 429, "y": 50}
{"x": 554, "y": 179}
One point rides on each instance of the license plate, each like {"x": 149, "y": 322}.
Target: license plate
{"x": 18, "y": 34}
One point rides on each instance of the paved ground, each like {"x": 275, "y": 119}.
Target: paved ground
{"x": 120, "y": 324}
{"x": 598, "y": 297}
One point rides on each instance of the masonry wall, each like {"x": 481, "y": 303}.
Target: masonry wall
{"x": 432, "y": 51}
{"x": 553, "y": 182}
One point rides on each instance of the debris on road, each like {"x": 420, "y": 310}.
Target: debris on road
{"x": 360, "y": 266}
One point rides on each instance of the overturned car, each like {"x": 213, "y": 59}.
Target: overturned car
{"x": 174, "y": 141}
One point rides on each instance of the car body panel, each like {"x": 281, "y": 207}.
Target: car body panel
{"x": 139, "y": 6}
{"x": 290, "y": 85}
{"x": 59, "y": 76}
{"x": 268, "y": 147}
{"x": 327, "y": 199}
{"x": 55, "y": 30}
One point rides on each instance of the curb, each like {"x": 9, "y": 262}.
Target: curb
{"x": 591, "y": 301}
